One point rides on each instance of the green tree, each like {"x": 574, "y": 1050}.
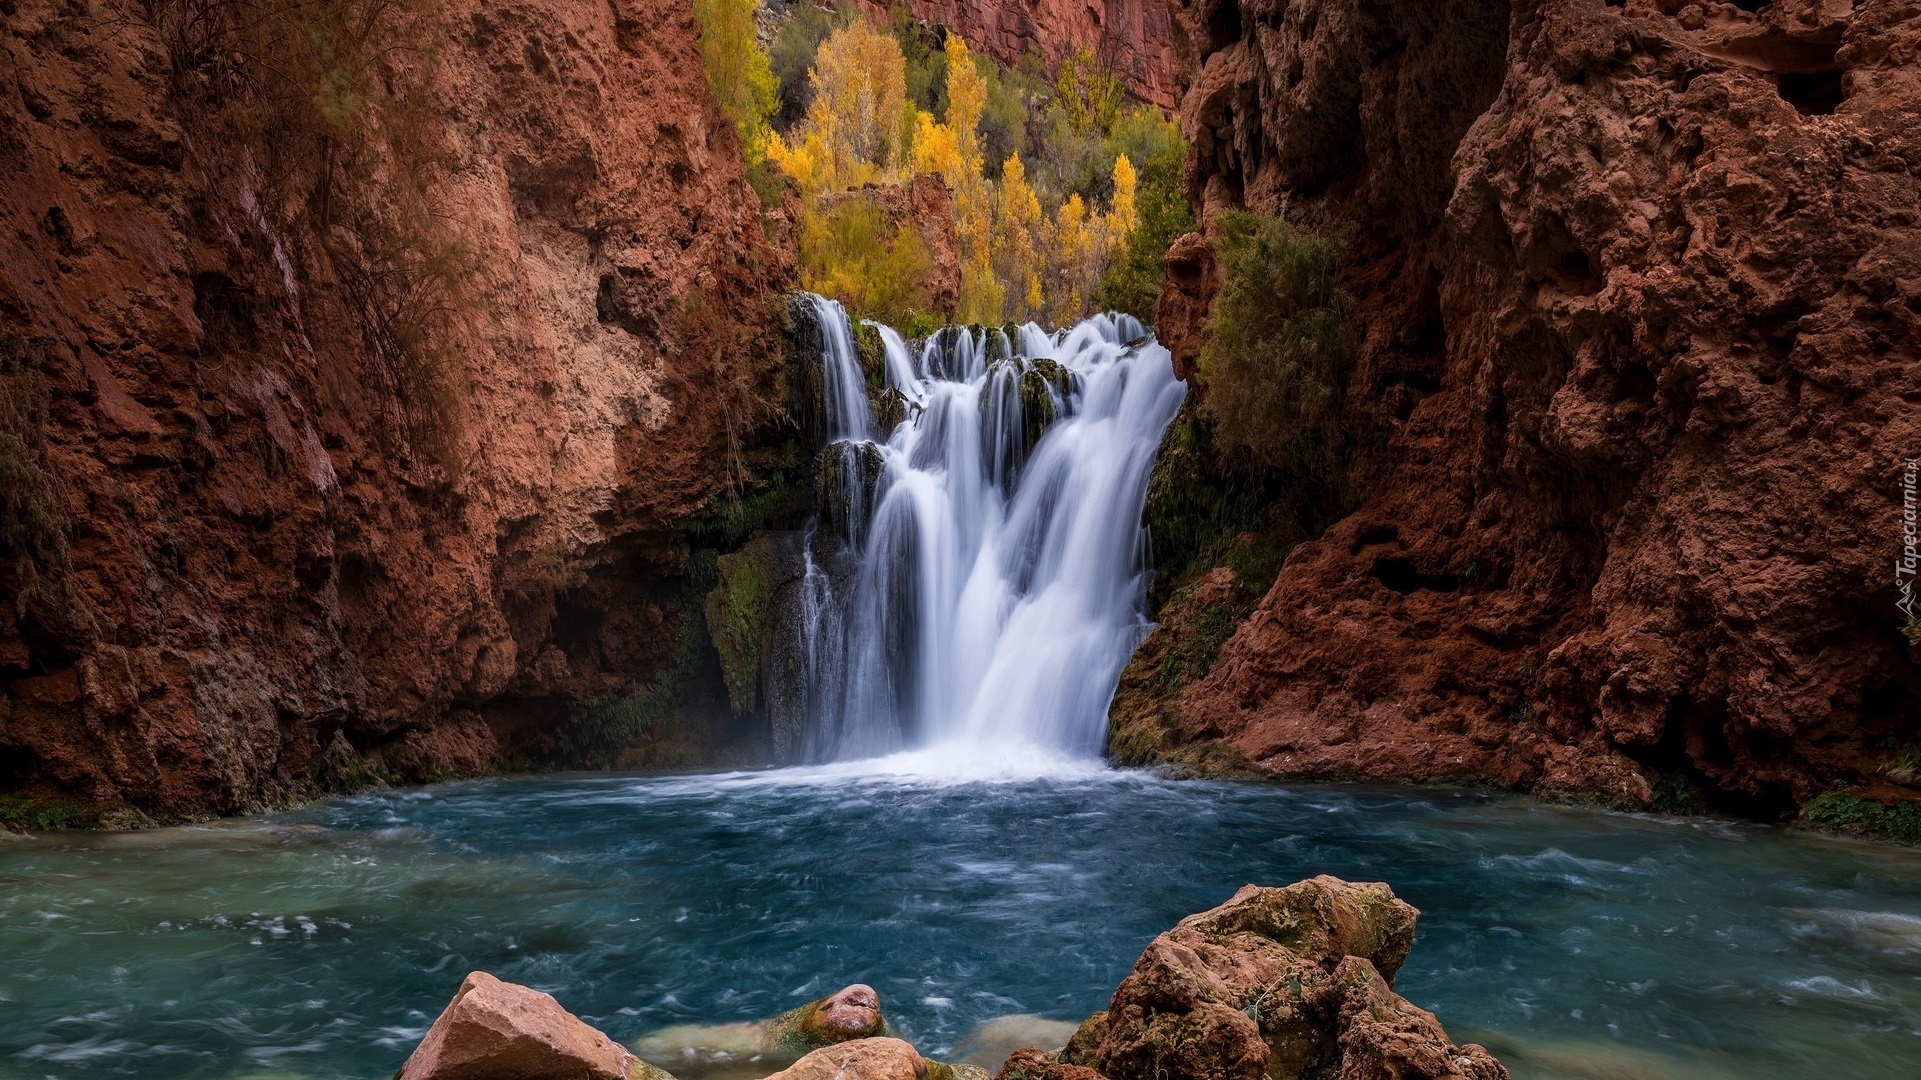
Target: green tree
{"x": 738, "y": 71}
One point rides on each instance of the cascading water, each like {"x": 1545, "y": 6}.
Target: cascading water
{"x": 978, "y": 575}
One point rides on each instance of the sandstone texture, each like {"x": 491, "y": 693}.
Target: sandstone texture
{"x": 861, "y": 1059}
{"x": 1277, "y": 983}
{"x": 1135, "y": 38}
{"x": 495, "y": 1030}
{"x": 324, "y": 483}
{"x": 1637, "y": 301}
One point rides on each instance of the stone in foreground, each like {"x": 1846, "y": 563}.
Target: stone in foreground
{"x": 860, "y": 1059}
{"x": 1275, "y": 984}
{"x": 494, "y": 1030}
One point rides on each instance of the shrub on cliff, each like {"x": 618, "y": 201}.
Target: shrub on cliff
{"x": 1276, "y": 355}
{"x": 332, "y": 101}
{"x": 742, "y": 80}
{"x": 851, "y": 253}
{"x": 1133, "y": 281}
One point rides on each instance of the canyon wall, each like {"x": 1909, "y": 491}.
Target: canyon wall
{"x": 1636, "y": 295}
{"x": 368, "y": 449}
{"x": 1135, "y": 38}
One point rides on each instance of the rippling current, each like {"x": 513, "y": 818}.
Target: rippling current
{"x": 321, "y": 943}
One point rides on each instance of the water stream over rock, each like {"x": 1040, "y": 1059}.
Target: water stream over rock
{"x": 984, "y": 568}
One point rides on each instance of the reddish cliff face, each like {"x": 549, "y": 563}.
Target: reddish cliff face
{"x": 1638, "y": 289}
{"x": 1134, "y": 37}
{"x": 331, "y": 480}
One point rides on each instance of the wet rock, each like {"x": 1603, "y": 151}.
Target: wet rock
{"x": 494, "y": 1030}
{"x": 860, "y": 1059}
{"x": 1276, "y": 983}
{"x": 1031, "y": 1064}
{"x": 1384, "y": 1037}
{"x": 852, "y": 1012}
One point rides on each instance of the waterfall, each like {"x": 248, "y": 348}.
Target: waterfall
{"x": 977, "y": 575}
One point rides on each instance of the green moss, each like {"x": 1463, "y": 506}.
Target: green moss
{"x": 1841, "y": 810}
{"x": 42, "y": 814}
{"x": 871, "y": 350}
{"x": 737, "y": 611}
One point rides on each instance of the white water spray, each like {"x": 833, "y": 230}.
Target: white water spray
{"x": 992, "y": 563}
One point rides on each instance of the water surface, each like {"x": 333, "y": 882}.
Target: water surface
{"x": 321, "y": 943}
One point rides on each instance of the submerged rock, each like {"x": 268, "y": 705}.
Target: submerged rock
{"x": 1272, "y": 985}
{"x": 991, "y": 1044}
{"x": 850, "y": 1013}
{"x": 494, "y": 1030}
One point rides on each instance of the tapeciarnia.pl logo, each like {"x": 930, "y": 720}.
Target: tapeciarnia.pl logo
{"x": 1904, "y": 567}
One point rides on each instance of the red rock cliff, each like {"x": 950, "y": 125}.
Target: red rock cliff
{"x": 1135, "y": 37}
{"x": 1638, "y": 287}
{"x": 276, "y": 546}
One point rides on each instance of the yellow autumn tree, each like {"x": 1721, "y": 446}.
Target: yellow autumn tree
{"x": 1017, "y": 227}
{"x": 854, "y": 130}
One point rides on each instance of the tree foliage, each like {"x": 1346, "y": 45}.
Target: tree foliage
{"x": 1043, "y": 172}
{"x": 738, "y": 71}
{"x": 1276, "y": 357}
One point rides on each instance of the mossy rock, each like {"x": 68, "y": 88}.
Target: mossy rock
{"x": 805, "y": 342}
{"x": 853, "y": 1012}
{"x": 1846, "y": 810}
{"x": 737, "y": 613}
{"x": 846, "y": 482}
{"x": 871, "y": 351}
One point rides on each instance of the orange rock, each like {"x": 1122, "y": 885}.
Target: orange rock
{"x": 861, "y": 1059}
{"x": 494, "y": 1030}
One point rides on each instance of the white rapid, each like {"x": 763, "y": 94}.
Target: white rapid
{"x": 979, "y": 586}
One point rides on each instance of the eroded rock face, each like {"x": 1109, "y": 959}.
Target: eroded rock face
{"x": 286, "y": 559}
{"x": 1276, "y": 983}
{"x": 1134, "y": 37}
{"x": 494, "y": 1030}
{"x": 1638, "y": 295}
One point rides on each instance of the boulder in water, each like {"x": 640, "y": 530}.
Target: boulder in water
{"x": 1272, "y": 985}
{"x": 852, "y": 1012}
{"x": 494, "y": 1030}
